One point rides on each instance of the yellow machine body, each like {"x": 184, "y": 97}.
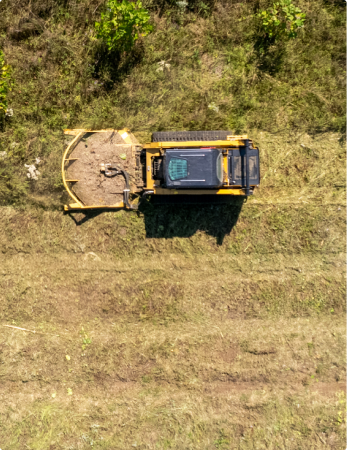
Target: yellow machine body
{"x": 149, "y": 185}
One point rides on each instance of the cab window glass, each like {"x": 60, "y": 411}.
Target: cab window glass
{"x": 178, "y": 169}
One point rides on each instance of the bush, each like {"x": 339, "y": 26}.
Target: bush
{"x": 282, "y": 20}
{"x": 122, "y": 24}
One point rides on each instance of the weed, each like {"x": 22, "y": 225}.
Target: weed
{"x": 341, "y": 402}
{"x": 222, "y": 441}
{"x": 146, "y": 379}
{"x": 64, "y": 78}
{"x": 86, "y": 340}
{"x": 310, "y": 346}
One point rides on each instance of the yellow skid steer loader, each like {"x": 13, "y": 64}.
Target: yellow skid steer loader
{"x": 111, "y": 169}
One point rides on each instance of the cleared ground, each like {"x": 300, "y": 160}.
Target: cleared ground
{"x": 173, "y": 328}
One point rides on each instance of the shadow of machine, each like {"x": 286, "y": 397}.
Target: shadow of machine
{"x": 177, "y": 219}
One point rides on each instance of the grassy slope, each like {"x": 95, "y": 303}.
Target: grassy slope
{"x": 186, "y": 328}
{"x": 63, "y": 79}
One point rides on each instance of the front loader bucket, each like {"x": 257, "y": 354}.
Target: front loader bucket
{"x": 82, "y": 164}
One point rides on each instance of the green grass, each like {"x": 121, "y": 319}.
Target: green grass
{"x": 63, "y": 78}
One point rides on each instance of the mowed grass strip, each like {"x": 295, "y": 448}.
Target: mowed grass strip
{"x": 280, "y": 352}
{"x": 231, "y": 384}
{"x": 161, "y": 298}
{"x": 177, "y": 340}
{"x": 237, "y": 228}
{"x": 170, "y": 288}
{"x": 151, "y": 417}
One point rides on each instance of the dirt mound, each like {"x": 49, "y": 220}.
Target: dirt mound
{"x": 92, "y": 186}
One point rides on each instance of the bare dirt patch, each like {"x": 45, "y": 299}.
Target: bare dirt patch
{"x": 93, "y": 187}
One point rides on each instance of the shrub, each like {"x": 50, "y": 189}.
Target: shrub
{"x": 282, "y": 20}
{"x": 5, "y": 83}
{"x": 122, "y": 24}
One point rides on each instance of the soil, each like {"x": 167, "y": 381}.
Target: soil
{"x": 93, "y": 187}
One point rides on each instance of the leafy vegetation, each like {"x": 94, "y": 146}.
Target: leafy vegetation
{"x": 5, "y": 83}
{"x": 282, "y": 19}
{"x": 122, "y": 24}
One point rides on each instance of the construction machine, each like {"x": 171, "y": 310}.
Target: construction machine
{"x": 110, "y": 169}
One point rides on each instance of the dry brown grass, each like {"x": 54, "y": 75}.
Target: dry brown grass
{"x": 299, "y": 168}
{"x": 174, "y": 350}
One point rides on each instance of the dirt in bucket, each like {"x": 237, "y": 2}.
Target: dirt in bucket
{"x": 93, "y": 187}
